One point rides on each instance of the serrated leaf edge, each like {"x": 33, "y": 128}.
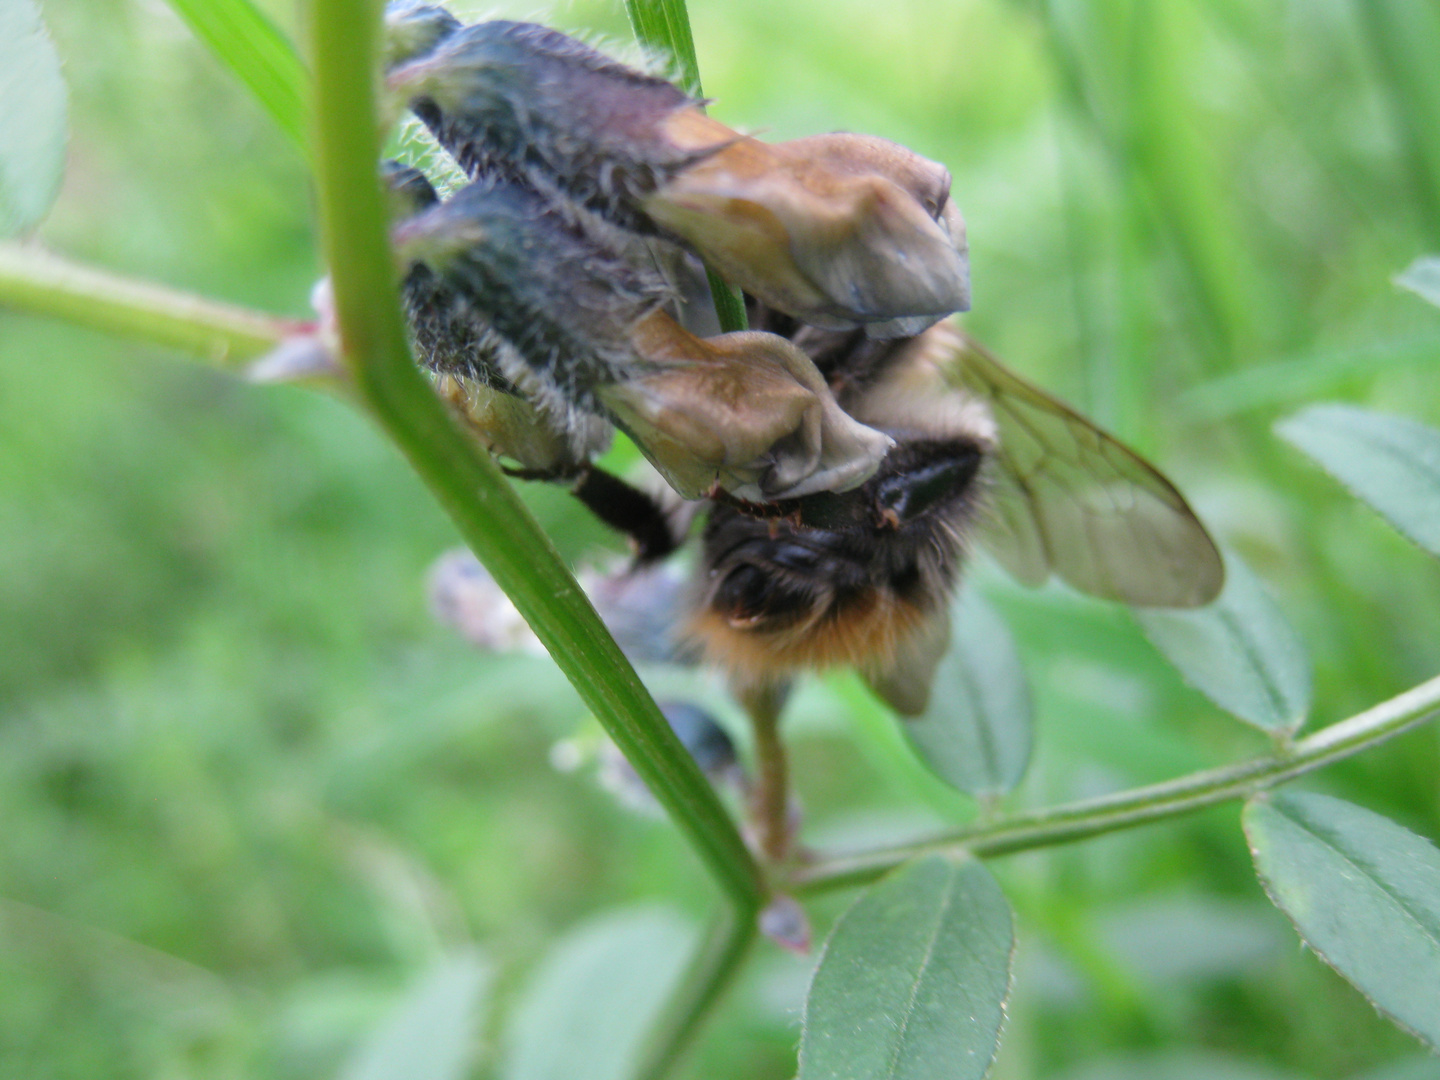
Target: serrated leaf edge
{"x": 1270, "y": 892}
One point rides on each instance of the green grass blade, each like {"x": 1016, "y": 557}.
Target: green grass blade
{"x": 664, "y": 25}
{"x": 261, "y": 56}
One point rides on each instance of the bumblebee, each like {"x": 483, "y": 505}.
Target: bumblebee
{"x": 863, "y": 578}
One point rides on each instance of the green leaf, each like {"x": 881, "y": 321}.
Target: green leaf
{"x": 588, "y": 1008}
{"x": 251, "y": 46}
{"x": 1391, "y": 463}
{"x": 913, "y": 979}
{"x": 431, "y": 1033}
{"x": 1240, "y": 652}
{"x": 32, "y": 118}
{"x": 1363, "y": 892}
{"x": 976, "y": 731}
{"x": 1422, "y": 277}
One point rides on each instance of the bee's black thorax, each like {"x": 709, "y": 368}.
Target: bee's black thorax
{"x": 897, "y": 536}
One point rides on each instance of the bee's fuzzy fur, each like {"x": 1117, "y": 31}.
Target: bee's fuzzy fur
{"x": 851, "y": 579}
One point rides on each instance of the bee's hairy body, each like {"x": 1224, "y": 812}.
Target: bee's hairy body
{"x": 852, "y": 579}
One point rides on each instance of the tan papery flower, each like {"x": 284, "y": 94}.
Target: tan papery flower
{"x": 748, "y": 413}
{"x": 837, "y": 230}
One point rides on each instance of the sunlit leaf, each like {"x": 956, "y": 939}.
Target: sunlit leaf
{"x": 32, "y": 118}
{"x": 1240, "y": 652}
{"x": 1363, "y": 892}
{"x": 431, "y": 1033}
{"x": 245, "y": 39}
{"x": 1390, "y": 462}
{"x": 1422, "y": 277}
{"x": 975, "y": 732}
{"x": 913, "y": 979}
{"x": 588, "y": 1007}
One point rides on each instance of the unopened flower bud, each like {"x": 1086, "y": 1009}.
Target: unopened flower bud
{"x": 836, "y": 230}
{"x": 582, "y": 328}
{"x": 520, "y": 99}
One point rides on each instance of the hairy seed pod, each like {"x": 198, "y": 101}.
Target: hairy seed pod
{"x": 413, "y": 29}
{"x": 523, "y": 100}
{"x": 454, "y": 339}
{"x": 582, "y": 329}
{"x": 836, "y": 230}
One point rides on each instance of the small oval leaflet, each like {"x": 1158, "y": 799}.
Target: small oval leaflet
{"x": 1240, "y": 652}
{"x": 976, "y": 731}
{"x": 32, "y": 118}
{"x": 1363, "y": 892}
{"x": 1390, "y": 462}
{"x": 430, "y": 1035}
{"x": 913, "y": 980}
{"x": 587, "y": 1009}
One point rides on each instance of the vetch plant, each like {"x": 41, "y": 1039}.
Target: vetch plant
{"x": 913, "y": 979}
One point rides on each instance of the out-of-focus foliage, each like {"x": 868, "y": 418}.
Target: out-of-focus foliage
{"x": 252, "y": 792}
{"x": 32, "y": 118}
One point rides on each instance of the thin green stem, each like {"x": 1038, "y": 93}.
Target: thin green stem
{"x": 712, "y": 969}
{"x": 463, "y": 478}
{"x": 34, "y": 281}
{"x": 664, "y": 25}
{"x": 1139, "y": 806}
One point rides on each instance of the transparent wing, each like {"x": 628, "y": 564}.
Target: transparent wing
{"x": 1069, "y": 498}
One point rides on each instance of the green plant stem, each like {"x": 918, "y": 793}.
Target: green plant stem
{"x": 462, "y": 477}
{"x": 664, "y": 25}
{"x": 712, "y": 969}
{"x": 37, "y": 282}
{"x": 1123, "y": 810}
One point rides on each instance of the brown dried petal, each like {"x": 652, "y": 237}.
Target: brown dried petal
{"x": 748, "y": 412}
{"x": 835, "y": 230}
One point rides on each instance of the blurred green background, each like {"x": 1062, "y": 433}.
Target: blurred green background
{"x": 251, "y": 792}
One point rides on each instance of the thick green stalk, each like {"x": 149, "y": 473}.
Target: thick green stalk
{"x": 664, "y": 25}
{"x": 35, "y": 281}
{"x": 1123, "y": 810}
{"x": 463, "y": 478}
{"x": 711, "y": 970}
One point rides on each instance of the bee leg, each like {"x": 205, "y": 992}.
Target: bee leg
{"x": 770, "y": 815}
{"x": 629, "y": 510}
{"x": 522, "y": 473}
